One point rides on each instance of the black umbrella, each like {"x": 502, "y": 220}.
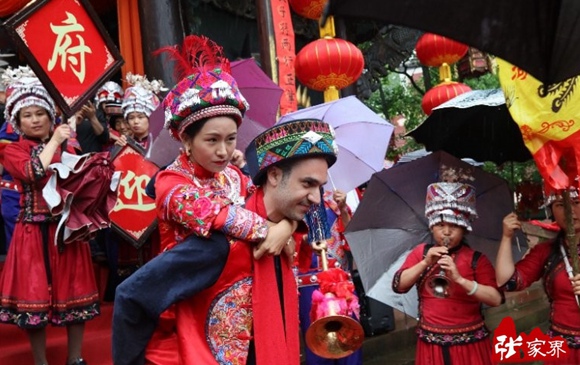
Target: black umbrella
{"x": 540, "y": 36}
{"x": 390, "y": 221}
{"x": 477, "y": 125}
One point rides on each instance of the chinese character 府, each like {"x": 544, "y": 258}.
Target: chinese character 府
{"x": 68, "y": 53}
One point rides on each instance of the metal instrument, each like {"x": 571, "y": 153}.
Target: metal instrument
{"x": 335, "y": 335}
{"x": 439, "y": 285}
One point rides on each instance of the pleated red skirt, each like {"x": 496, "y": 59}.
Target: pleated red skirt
{"x": 32, "y": 294}
{"x": 477, "y": 353}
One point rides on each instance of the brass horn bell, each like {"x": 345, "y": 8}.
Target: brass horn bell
{"x": 335, "y": 335}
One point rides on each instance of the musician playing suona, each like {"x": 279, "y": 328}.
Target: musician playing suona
{"x": 41, "y": 282}
{"x": 451, "y": 326}
{"x": 548, "y": 261}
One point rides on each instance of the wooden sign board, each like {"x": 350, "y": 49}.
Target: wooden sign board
{"x": 134, "y": 216}
{"x": 67, "y": 47}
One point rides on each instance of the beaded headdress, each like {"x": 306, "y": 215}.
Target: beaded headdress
{"x": 141, "y": 95}
{"x": 207, "y": 88}
{"x": 291, "y": 140}
{"x": 451, "y": 201}
{"x": 24, "y": 89}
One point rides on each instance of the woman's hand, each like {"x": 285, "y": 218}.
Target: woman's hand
{"x": 61, "y": 134}
{"x": 434, "y": 254}
{"x": 511, "y": 223}
{"x": 290, "y": 250}
{"x": 576, "y": 284}
{"x": 446, "y": 262}
{"x": 238, "y": 159}
{"x": 121, "y": 141}
{"x": 278, "y": 236}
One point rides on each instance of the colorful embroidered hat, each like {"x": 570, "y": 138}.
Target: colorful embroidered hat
{"x": 24, "y": 89}
{"x": 141, "y": 95}
{"x": 292, "y": 140}
{"x": 451, "y": 202}
{"x": 207, "y": 88}
{"x": 110, "y": 92}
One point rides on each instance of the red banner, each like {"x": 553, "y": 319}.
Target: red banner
{"x": 67, "y": 47}
{"x": 134, "y": 215}
{"x": 285, "y": 54}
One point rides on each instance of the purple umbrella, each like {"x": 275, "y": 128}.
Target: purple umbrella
{"x": 260, "y": 91}
{"x": 156, "y": 121}
{"x": 362, "y": 137}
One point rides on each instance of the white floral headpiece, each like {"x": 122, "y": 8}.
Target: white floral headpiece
{"x": 141, "y": 95}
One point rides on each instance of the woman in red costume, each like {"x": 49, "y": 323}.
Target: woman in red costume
{"x": 237, "y": 300}
{"x": 451, "y": 327}
{"x": 547, "y": 261}
{"x": 201, "y": 191}
{"x": 42, "y": 283}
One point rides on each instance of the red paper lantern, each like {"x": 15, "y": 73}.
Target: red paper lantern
{"x": 433, "y": 50}
{"x": 441, "y": 93}
{"x": 329, "y": 63}
{"x": 311, "y": 9}
{"x": 9, "y": 7}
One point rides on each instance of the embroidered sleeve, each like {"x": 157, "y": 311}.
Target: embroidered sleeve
{"x": 193, "y": 209}
{"x": 244, "y": 224}
{"x": 397, "y": 281}
{"x": 515, "y": 283}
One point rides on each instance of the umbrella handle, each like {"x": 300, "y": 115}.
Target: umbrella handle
{"x": 331, "y": 181}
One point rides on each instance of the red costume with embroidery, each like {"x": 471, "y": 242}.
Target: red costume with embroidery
{"x": 192, "y": 200}
{"x": 545, "y": 262}
{"x": 217, "y": 325}
{"x": 455, "y": 322}
{"x": 61, "y": 291}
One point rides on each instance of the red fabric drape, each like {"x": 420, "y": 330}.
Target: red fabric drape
{"x": 273, "y": 333}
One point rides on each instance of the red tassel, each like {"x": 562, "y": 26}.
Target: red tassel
{"x": 195, "y": 55}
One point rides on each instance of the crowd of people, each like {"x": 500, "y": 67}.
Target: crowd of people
{"x": 231, "y": 273}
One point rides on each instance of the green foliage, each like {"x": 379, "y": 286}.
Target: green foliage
{"x": 515, "y": 173}
{"x": 396, "y": 100}
{"x": 484, "y": 82}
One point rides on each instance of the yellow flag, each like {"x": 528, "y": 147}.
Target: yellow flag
{"x": 549, "y": 120}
